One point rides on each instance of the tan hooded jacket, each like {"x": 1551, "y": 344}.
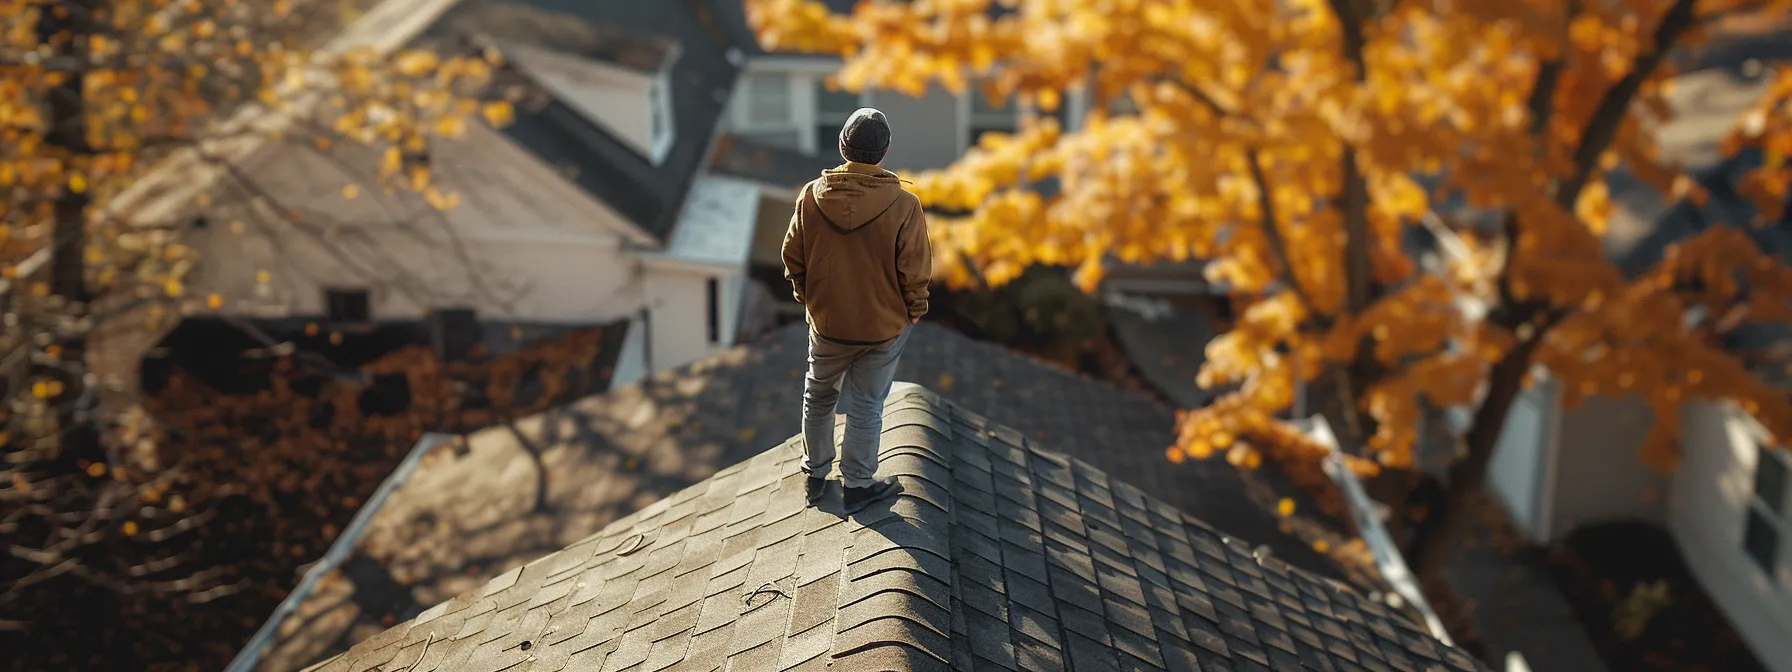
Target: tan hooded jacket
{"x": 857, "y": 255}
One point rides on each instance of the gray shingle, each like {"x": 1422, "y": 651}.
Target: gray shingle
{"x": 744, "y": 581}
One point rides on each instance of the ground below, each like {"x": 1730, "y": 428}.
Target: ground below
{"x": 1641, "y": 605}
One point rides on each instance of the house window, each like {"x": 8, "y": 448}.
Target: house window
{"x": 768, "y": 99}
{"x": 987, "y": 116}
{"x": 1764, "y": 520}
{"x": 347, "y": 305}
{"x": 831, "y": 111}
{"x": 661, "y": 113}
{"x": 713, "y": 299}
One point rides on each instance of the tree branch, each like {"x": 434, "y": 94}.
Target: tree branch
{"x": 1602, "y": 128}
{"x": 1353, "y": 199}
{"x": 1273, "y": 233}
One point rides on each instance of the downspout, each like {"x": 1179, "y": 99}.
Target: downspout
{"x": 1388, "y": 560}
{"x": 646, "y": 341}
{"x": 1550, "y": 467}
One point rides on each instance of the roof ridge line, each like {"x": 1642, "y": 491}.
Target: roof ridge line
{"x": 896, "y": 591}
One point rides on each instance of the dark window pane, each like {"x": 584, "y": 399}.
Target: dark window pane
{"x": 1761, "y": 541}
{"x": 827, "y": 139}
{"x": 347, "y": 305}
{"x": 834, "y": 106}
{"x": 714, "y": 295}
{"x": 1770, "y": 480}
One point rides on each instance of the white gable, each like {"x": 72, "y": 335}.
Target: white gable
{"x": 622, "y": 101}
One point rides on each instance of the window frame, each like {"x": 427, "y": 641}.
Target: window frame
{"x": 819, "y": 119}
{"x": 664, "y": 124}
{"x": 806, "y": 78}
{"x": 745, "y": 119}
{"x": 972, "y": 126}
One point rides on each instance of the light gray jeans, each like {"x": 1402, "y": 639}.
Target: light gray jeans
{"x": 857, "y": 377}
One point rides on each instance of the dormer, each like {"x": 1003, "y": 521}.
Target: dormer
{"x": 620, "y": 83}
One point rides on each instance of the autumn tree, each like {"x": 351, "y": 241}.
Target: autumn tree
{"x": 115, "y": 114}
{"x": 1292, "y": 143}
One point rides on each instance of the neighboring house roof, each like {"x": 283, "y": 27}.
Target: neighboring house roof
{"x": 996, "y": 554}
{"x": 776, "y": 166}
{"x": 716, "y": 225}
{"x": 1164, "y": 342}
{"x": 630, "y": 32}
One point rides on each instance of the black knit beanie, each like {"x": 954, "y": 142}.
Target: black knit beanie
{"x": 865, "y": 137}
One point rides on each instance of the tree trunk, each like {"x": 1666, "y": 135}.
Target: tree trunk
{"x": 1468, "y": 476}
{"x": 68, "y": 25}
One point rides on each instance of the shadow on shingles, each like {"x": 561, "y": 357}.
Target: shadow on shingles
{"x": 832, "y": 501}
{"x": 876, "y": 510}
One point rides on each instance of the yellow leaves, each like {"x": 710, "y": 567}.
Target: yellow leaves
{"x": 129, "y": 528}
{"x": 214, "y": 301}
{"x": 1168, "y": 175}
{"x": 96, "y": 469}
{"x": 46, "y": 389}
{"x": 498, "y": 113}
{"x": 77, "y": 183}
{"x": 173, "y": 287}
{"x": 416, "y": 62}
{"x": 440, "y": 200}
{"x": 391, "y": 161}
{"x": 350, "y": 192}
{"x": 1285, "y": 507}
{"x": 1595, "y": 207}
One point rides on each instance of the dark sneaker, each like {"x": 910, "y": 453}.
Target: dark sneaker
{"x": 814, "y": 489}
{"x": 857, "y": 498}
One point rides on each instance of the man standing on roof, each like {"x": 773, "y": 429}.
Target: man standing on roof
{"x": 858, "y": 259}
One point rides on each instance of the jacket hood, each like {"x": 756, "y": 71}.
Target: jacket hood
{"x": 852, "y": 195}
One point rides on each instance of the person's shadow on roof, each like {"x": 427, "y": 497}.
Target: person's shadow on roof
{"x": 833, "y": 502}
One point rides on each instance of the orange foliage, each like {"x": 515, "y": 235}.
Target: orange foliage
{"x": 1768, "y": 127}
{"x": 1233, "y": 149}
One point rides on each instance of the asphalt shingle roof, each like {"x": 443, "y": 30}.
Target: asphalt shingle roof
{"x": 463, "y": 518}
{"x": 996, "y": 555}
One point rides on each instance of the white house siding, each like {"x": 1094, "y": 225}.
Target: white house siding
{"x": 924, "y": 131}
{"x": 521, "y": 244}
{"x": 1516, "y": 473}
{"x": 927, "y": 131}
{"x": 1602, "y": 475}
{"x": 678, "y": 296}
{"x": 1711, "y": 489}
